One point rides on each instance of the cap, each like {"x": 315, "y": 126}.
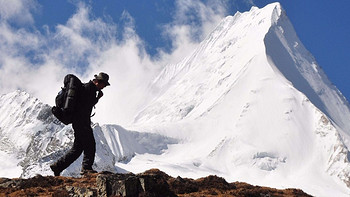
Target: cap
{"x": 102, "y": 77}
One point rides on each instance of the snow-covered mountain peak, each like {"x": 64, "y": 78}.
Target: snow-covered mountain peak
{"x": 263, "y": 40}
{"x": 253, "y": 98}
{"x": 229, "y": 31}
{"x": 19, "y": 113}
{"x": 211, "y": 70}
{"x": 290, "y": 59}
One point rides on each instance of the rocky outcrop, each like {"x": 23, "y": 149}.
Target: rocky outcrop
{"x": 151, "y": 183}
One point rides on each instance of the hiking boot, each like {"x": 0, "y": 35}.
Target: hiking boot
{"x": 55, "y": 170}
{"x": 87, "y": 171}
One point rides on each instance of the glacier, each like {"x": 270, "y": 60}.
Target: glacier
{"x": 249, "y": 104}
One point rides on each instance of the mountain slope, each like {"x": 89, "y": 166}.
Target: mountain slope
{"x": 265, "y": 36}
{"x": 286, "y": 53}
{"x": 33, "y": 139}
{"x": 251, "y": 103}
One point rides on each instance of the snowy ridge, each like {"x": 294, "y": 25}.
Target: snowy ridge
{"x": 23, "y": 117}
{"x": 31, "y": 139}
{"x": 19, "y": 112}
{"x": 301, "y": 69}
{"x": 213, "y": 68}
{"x": 125, "y": 144}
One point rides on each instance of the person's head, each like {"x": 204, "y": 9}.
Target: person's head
{"x": 101, "y": 80}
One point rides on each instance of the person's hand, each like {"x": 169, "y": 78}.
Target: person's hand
{"x": 100, "y": 94}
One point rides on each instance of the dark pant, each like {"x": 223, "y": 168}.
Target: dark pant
{"x": 84, "y": 142}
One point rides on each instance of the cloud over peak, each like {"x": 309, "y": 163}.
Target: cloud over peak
{"x": 36, "y": 61}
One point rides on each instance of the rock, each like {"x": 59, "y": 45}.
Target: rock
{"x": 133, "y": 185}
{"x": 118, "y": 185}
{"x": 155, "y": 184}
{"x": 81, "y": 191}
{"x": 152, "y": 183}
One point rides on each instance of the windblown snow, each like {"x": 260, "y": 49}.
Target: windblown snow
{"x": 249, "y": 104}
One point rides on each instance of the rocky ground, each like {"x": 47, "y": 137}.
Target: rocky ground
{"x": 151, "y": 183}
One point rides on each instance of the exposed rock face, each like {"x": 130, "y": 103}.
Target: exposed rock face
{"x": 151, "y": 183}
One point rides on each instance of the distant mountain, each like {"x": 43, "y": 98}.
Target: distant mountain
{"x": 249, "y": 104}
{"x": 30, "y": 133}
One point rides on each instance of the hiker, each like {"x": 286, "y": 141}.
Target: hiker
{"x": 84, "y": 138}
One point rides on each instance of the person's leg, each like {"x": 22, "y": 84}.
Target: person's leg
{"x": 68, "y": 158}
{"x": 73, "y": 154}
{"x": 89, "y": 149}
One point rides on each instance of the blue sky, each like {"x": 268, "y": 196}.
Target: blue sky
{"x": 44, "y": 40}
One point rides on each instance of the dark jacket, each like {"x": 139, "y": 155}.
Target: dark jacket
{"x": 87, "y": 99}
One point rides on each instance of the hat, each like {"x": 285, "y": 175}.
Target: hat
{"x": 102, "y": 77}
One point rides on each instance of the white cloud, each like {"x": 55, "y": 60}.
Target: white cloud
{"x": 86, "y": 45}
{"x": 193, "y": 21}
{"x": 10, "y": 10}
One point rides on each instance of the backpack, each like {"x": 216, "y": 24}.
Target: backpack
{"x": 66, "y": 99}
